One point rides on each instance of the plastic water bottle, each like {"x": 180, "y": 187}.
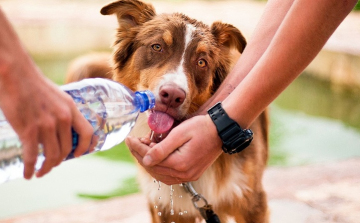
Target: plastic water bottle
{"x": 111, "y": 109}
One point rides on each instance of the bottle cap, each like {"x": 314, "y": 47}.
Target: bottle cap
{"x": 146, "y": 100}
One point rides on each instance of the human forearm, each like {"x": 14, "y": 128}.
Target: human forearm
{"x": 8, "y": 37}
{"x": 304, "y": 31}
{"x": 15, "y": 63}
{"x": 260, "y": 40}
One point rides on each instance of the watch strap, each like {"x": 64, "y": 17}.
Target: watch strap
{"x": 235, "y": 139}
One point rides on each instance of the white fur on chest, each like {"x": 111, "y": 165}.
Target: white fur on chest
{"x": 207, "y": 186}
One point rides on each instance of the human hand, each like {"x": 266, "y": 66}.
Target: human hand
{"x": 40, "y": 113}
{"x": 184, "y": 155}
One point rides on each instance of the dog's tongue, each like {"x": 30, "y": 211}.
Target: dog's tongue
{"x": 160, "y": 122}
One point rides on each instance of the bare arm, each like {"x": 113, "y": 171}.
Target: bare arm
{"x": 302, "y": 34}
{"x": 263, "y": 34}
{"x": 38, "y": 111}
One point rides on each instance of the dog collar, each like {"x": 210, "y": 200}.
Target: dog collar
{"x": 234, "y": 138}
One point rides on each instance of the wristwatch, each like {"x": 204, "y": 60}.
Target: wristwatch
{"x": 234, "y": 138}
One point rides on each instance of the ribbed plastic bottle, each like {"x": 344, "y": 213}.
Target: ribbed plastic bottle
{"x": 110, "y": 107}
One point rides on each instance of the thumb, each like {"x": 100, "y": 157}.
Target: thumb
{"x": 162, "y": 150}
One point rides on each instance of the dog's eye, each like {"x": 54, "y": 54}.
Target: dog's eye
{"x": 157, "y": 47}
{"x": 201, "y": 63}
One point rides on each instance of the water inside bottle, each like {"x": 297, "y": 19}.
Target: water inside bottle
{"x": 10, "y": 151}
{"x": 111, "y": 118}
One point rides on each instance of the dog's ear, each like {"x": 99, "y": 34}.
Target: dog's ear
{"x": 228, "y": 38}
{"x": 130, "y": 14}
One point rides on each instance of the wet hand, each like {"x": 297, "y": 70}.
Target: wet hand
{"x": 183, "y": 155}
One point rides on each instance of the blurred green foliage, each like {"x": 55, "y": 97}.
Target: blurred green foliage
{"x": 118, "y": 153}
{"x": 357, "y": 6}
{"x": 128, "y": 186}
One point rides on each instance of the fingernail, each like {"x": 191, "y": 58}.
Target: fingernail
{"x": 28, "y": 177}
{"x": 128, "y": 140}
{"x": 147, "y": 160}
{"x": 38, "y": 175}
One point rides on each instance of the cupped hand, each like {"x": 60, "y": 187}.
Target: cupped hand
{"x": 184, "y": 155}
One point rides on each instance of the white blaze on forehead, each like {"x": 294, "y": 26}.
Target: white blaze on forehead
{"x": 190, "y": 29}
{"x": 178, "y": 76}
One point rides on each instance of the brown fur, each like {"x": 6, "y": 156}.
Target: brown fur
{"x": 90, "y": 66}
{"x": 140, "y": 64}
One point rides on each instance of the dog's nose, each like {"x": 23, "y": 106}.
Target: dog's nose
{"x": 171, "y": 95}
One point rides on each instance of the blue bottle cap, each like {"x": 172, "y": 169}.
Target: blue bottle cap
{"x": 146, "y": 100}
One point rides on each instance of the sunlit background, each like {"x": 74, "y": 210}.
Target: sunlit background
{"x": 316, "y": 119}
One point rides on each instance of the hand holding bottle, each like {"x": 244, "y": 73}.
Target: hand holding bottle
{"x": 38, "y": 110}
{"x": 93, "y": 115}
{"x": 40, "y": 113}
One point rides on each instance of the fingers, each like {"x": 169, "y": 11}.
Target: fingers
{"x": 51, "y": 148}
{"x": 57, "y": 139}
{"x": 45, "y": 135}
{"x": 162, "y": 150}
{"x": 136, "y": 145}
{"x": 139, "y": 147}
{"x": 145, "y": 141}
{"x": 64, "y": 134}
{"x": 85, "y": 131}
{"x": 170, "y": 171}
{"x": 160, "y": 173}
{"x": 30, "y": 146}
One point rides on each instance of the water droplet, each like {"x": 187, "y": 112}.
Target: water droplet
{"x": 180, "y": 213}
{"x": 160, "y": 198}
{"x": 185, "y": 212}
{"x": 171, "y": 199}
{"x": 159, "y": 213}
{"x": 155, "y": 206}
{"x": 180, "y": 196}
{"x": 172, "y": 212}
{"x": 159, "y": 188}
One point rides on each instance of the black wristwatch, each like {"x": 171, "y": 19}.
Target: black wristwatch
{"x": 234, "y": 138}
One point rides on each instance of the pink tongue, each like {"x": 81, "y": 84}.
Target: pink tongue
{"x": 160, "y": 122}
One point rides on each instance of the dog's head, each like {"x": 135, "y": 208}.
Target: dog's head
{"x": 181, "y": 60}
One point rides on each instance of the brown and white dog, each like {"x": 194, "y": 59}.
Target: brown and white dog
{"x": 183, "y": 61}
